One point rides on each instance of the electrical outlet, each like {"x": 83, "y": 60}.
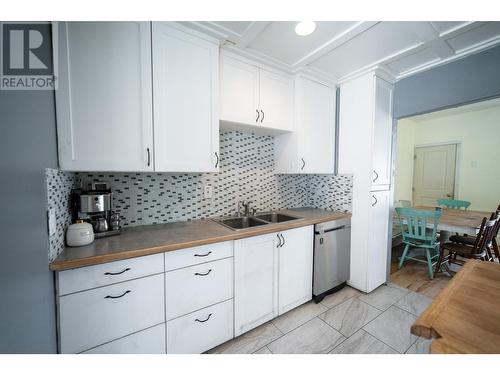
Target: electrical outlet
{"x": 208, "y": 191}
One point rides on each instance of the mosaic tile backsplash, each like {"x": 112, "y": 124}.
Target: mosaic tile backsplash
{"x": 246, "y": 173}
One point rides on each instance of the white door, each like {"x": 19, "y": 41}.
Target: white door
{"x": 316, "y": 121}
{"x": 185, "y": 91}
{"x": 104, "y": 104}
{"x": 434, "y": 174}
{"x": 255, "y": 281}
{"x": 295, "y": 268}
{"x": 382, "y": 133}
{"x": 378, "y": 240}
{"x": 239, "y": 92}
{"x": 276, "y": 101}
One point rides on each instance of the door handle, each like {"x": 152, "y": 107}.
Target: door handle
{"x": 376, "y": 176}
{"x": 283, "y": 244}
{"x": 303, "y": 164}
{"x": 376, "y": 200}
{"x": 258, "y": 115}
{"x": 203, "y": 274}
{"x": 262, "y": 119}
{"x": 279, "y": 239}
{"x": 120, "y": 296}
{"x": 217, "y": 162}
{"x": 203, "y": 321}
{"x": 149, "y": 157}
{"x": 117, "y": 273}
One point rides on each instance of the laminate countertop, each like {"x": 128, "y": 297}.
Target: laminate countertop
{"x": 158, "y": 238}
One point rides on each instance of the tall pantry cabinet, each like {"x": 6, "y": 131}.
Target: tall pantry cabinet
{"x": 365, "y": 148}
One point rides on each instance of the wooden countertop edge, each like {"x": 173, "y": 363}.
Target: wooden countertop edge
{"x": 235, "y": 235}
{"x": 423, "y": 325}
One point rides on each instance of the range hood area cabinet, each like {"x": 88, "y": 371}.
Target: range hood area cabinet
{"x": 111, "y": 74}
{"x": 365, "y": 149}
{"x": 253, "y": 98}
{"x": 311, "y": 146}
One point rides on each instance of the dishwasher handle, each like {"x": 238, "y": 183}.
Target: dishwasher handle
{"x": 333, "y": 229}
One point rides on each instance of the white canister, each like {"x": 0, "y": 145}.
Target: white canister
{"x": 79, "y": 234}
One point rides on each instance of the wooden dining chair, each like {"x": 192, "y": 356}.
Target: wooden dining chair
{"x": 493, "y": 246}
{"x": 479, "y": 250}
{"x": 419, "y": 233}
{"x": 453, "y": 203}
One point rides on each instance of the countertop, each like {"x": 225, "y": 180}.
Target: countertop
{"x": 159, "y": 238}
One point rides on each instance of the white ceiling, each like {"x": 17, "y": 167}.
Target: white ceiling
{"x": 340, "y": 50}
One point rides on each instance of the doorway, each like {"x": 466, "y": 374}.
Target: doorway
{"x": 434, "y": 173}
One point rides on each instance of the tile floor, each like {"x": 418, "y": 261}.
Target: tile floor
{"x": 345, "y": 322}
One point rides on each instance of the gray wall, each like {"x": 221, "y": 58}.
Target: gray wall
{"x": 471, "y": 79}
{"x": 27, "y": 146}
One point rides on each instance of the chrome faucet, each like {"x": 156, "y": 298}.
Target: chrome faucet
{"x": 246, "y": 206}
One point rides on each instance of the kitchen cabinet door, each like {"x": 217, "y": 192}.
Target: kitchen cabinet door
{"x": 255, "y": 281}
{"x": 104, "y": 106}
{"x": 316, "y": 123}
{"x": 378, "y": 240}
{"x": 185, "y": 93}
{"x": 382, "y": 133}
{"x": 295, "y": 268}
{"x": 275, "y": 101}
{"x": 239, "y": 90}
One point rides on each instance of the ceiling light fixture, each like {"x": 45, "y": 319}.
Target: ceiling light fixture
{"x": 304, "y": 28}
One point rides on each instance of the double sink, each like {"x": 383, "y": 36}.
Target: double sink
{"x": 244, "y": 222}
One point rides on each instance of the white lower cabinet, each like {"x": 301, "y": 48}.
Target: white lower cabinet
{"x": 192, "y": 288}
{"x": 295, "y": 268}
{"x": 207, "y": 295}
{"x": 91, "y": 318}
{"x": 201, "y": 330}
{"x": 255, "y": 281}
{"x": 148, "y": 341}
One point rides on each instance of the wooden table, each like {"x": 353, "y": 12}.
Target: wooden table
{"x": 465, "y": 317}
{"x": 459, "y": 221}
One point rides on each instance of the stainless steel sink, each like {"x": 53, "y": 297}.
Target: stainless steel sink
{"x": 241, "y": 222}
{"x": 275, "y": 217}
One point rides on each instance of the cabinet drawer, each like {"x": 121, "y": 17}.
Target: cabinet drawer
{"x": 201, "y": 330}
{"x": 84, "y": 278}
{"x": 148, "y": 341}
{"x": 193, "y": 288}
{"x": 196, "y": 255}
{"x": 97, "y": 316}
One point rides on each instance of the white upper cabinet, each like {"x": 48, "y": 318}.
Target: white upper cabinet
{"x": 275, "y": 101}
{"x": 311, "y": 147}
{"x": 365, "y": 133}
{"x": 251, "y": 96}
{"x": 382, "y": 133}
{"x": 104, "y": 101}
{"x": 239, "y": 88}
{"x": 185, "y": 92}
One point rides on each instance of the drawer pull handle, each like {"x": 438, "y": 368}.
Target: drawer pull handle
{"x": 203, "y": 321}
{"x": 117, "y": 273}
{"x": 203, "y": 255}
{"x": 203, "y": 274}
{"x": 120, "y": 296}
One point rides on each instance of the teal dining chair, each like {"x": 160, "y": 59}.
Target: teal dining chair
{"x": 453, "y": 203}
{"x": 419, "y": 233}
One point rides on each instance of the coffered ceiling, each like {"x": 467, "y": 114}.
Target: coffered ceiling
{"x": 340, "y": 49}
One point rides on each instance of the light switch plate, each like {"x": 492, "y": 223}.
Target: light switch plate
{"x": 52, "y": 222}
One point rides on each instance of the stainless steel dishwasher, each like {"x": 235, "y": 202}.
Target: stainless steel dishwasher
{"x": 332, "y": 257}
